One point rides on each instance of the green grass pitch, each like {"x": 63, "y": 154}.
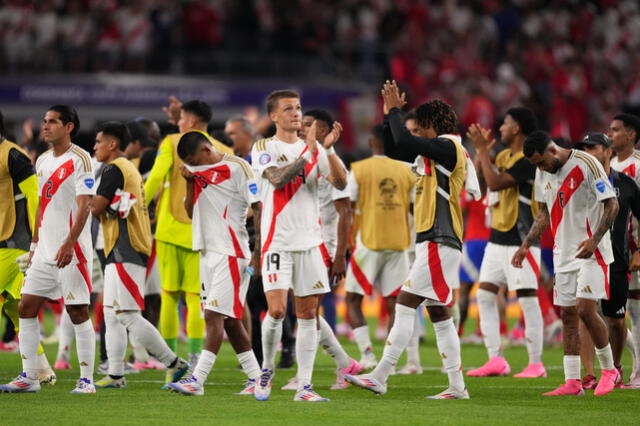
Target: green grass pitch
{"x": 499, "y": 400}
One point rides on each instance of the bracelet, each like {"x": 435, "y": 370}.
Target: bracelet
{"x": 331, "y": 151}
{"x": 33, "y": 246}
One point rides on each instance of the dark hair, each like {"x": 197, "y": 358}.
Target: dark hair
{"x": 437, "y": 114}
{"x": 631, "y": 122}
{"x": 221, "y": 136}
{"x": 139, "y": 133}
{"x": 189, "y": 143}
{"x": 68, "y": 114}
{"x": 200, "y": 109}
{"x": 1, "y": 125}
{"x": 116, "y": 130}
{"x": 537, "y": 141}
{"x": 272, "y": 99}
{"x": 411, "y": 115}
{"x": 148, "y": 124}
{"x": 378, "y": 133}
{"x": 525, "y": 118}
{"x": 321, "y": 115}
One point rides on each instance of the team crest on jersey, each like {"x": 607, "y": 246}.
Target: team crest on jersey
{"x": 253, "y": 188}
{"x": 61, "y": 173}
{"x": 89, "y": 182}
{"x": 572, "y": 183}
{"x": 600, "y": 186}
{"x": 265, "y": 158}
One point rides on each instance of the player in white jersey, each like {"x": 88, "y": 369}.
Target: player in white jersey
{"x": 61, "y": 251}
{"x": 220, "y": 190}
{"x": 624, "y": 132}
{"x": 578, "y": 201}
{"x": 290, "y": 169}
{"x": 335, "y": 218}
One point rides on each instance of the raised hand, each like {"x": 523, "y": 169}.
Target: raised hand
{"x": 173, "y": 110}
{"x": 391, "y": 96}
{"x": 480, "y": 137}
{"x": 311, "y": 138}
{"x": 333, "y": 136}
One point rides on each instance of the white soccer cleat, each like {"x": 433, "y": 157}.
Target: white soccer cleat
{"x": 189, "y": 386}
{"x": 410, "y": 368}
{"x": 451, "y": 393}
{"x": 292, "y": 384}
{"x": 109, "y": 382}
{"x": 368, "y": 361}
{"x": 249, "y": 388}
{"x": 263, "y": 386}
{"x": 21, "y": 384}
{"x": 47, "y": 377}
{"x": 84, "y": 386}
{"x": 307, "y": 394}
{"x": 368, "y": 382}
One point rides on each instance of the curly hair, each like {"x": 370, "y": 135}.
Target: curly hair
{"x": 439, "y": 115}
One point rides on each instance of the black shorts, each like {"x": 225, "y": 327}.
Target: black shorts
{"x": 616, "y": 306}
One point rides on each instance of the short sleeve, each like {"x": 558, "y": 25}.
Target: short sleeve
{"x": 352, "y": 186}
{"x": 20, "y": 166}
{"x": 522, "y": 170}
{"x": 85, "y": 180}
{"x": 249, "y": 188}
{"x": 539, "y": 190}
{"x": 263, "y": 159}
{"x": 599, "y": 183}
{"x": 110, "y": 181}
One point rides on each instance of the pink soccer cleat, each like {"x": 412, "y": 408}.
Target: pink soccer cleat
{"x": 589, "y": 382}
{"x": 532, "y": 371}
{"x": 608, "y": 379}
{"x": 496, "y": 366}
{"x": 571, "y": 387}
{"x": 61, "y": 364}
{"x": 353, "y": 368}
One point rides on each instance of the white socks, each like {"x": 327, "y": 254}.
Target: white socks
{"x": 489, "y": 321}
{"x": 413, "y": 348}
{"x": 449, "y": 348}
{"x": 306, "y": 347}
{"x": 65, "y": 336}
{"x": 86, "y": 348}
{"x": 533, "y": 330}
{"x": 249, "y": 364}
{"x": 605, "y": 357}
{"x": 271, "y": 335}
{"x": 571, "y": 367}
{"x": 329, "y": 343}
{"x": 148, "y": 336}
{"x": 204, "y": 366}
{"x": 116, "y": 342}
{"x": 140, "y": 354}
{"x": 633, "y": 307}
{"x": 397, "y": 341}
{"x": 361, "y": 334}
{"x": 29, "y": 338}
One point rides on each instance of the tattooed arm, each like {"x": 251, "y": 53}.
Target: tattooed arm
{"x": 538, "y": 227}
{"x": 280, "y": 176}
{"x": 589, "y": 246}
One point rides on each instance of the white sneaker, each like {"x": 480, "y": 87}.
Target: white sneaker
{"x": 451, "y": 393}
{"x": 263, "y": 387}
{"x": 292, "y": 384}
{"x": 368, "y": 382}
{"x": 368, "y": 361}
{"x": 47, "y": 377}
{"x": 307, "y": 394}
{"x": 176, "y": 372}
{"x": 249, "y": 388}
{"x": 84, "y": 386}
{"x": 189, "y": 386}
{"x": 21, "y": 384}
{"x": 410, "y": 368}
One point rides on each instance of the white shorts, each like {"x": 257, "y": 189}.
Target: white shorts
{"x": 384, "y": 269}
{"x": 152, "y": 282}
{"x": 224, "y": 283}
{"x": 634, "y": 281}
{"x": 497, "y": 269}
{"x": 591, "y": 282}
{"x": 303, "y": 271}
{"x": 124, "y": 286}
{"x": 434, "y": 274}
{"x": 71, "y": 283}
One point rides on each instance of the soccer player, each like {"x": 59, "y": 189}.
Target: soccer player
{"x": 18, "y": 206}
{"x": 220, "y": 190}
{"x": 576, "y": 198}
{"x": 440, "y": 162}
{"x": 512, "y": 212}
{"x": 290, "y": 169}
{"x": 381, "y": 194}
{"x": 335, "y": 217}
{"x": 628, "y": 194}
{"x": 624, "y": 132}
{"x": 177, "y": 262}
{"x": 119, "y": 204}
{"x": 61, "y": 251}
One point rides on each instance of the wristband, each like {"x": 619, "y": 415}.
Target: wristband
{"x": 331, "y": 151}
{"x": 33, "y": 246}
{"x": 307, "y": 156}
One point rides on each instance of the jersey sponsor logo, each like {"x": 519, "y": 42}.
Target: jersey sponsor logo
{"x": 283, "y": 158}
{"x": 70, "y": 296}
{"x": 600, "y": 186}
{"x": 213, "y": 303}
{"x": 318, "y": 285}
{"x": 89, "y": 182}
{"x": 253, "y": 188}
{"x": 586, "y": 289}
{"x": 548, "y": 187}
{"x": 265, "y": 158}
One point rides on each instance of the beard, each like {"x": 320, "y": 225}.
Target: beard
{"x": 555, "y": 166}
